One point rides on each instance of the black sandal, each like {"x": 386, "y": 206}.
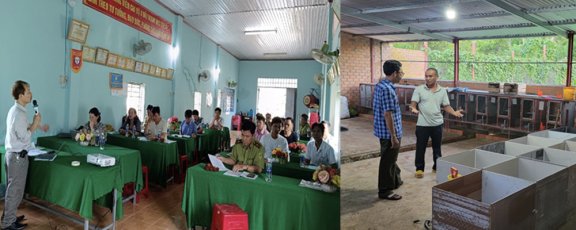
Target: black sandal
{"x": 392, "y": 196}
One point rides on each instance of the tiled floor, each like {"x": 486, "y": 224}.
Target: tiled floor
{"x": 161, "y": 210}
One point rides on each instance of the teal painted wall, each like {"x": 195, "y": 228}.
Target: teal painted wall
{"x": 33, "y": 48}
{"x": 250, "y": 71}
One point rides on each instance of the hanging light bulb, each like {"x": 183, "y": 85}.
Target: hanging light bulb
{"x": 450, "y": 13}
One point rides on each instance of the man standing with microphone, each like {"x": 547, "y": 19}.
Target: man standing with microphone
{"x": 18, "y": 142}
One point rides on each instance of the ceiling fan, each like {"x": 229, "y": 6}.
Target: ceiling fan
{"x": 324, "y": 55}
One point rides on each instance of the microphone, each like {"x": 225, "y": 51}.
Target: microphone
{"x": 35, "y": 103}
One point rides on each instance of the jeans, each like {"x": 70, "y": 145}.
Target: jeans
{"x": 423, "y": 133}
{"x": 389, "y": 172}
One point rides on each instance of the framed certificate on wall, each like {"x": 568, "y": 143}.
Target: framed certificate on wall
{"x": 101, "y": 56}
{"x": 112, "y": 60}
{"x": 169, "y": 74}
{"x": 78, "y": 31}
{"x": 88, "y": 54}
{"x": 158, "y": 72}
{"x": 152, "y": 70}
{"x": 145, "y": 68}
{"x": 138, "y": 67}
{"x": 130, "y": 64}
{"x": 121, "y": 63}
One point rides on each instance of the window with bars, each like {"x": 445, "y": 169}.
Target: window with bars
{"x": 278, "y": 83}
{"x": 135, "y": 98}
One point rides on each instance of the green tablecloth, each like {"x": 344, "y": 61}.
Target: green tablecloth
{"x": 74, "y": 188}
{"x": 281, "y": 204}
{"x": 156, "y": 155}
{"x": 211, "y": 141}
{"x": 128, "y": 159}
{"x": 291, "y": 169}
{"x": 186, "y": 145}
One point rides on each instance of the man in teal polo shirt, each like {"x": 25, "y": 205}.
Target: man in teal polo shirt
{"x": 430, "y": 99}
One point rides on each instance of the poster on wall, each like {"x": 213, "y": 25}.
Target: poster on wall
{"x": 228, "y": 101}
{"x": 76, "y": 60}
{"x": 116, "y": 84}
{"x": 116, "y": 81}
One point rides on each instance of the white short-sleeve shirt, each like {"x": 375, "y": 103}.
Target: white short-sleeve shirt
{"x": 270, "y": 143}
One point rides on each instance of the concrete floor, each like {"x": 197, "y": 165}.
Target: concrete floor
{"x": 360, "y": 207}
{"x": 359, "y": 142}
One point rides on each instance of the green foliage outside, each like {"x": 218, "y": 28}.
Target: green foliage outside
{"x": 539, "y": 60}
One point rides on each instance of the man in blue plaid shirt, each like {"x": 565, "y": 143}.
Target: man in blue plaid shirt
{"x": 388, "y": 128}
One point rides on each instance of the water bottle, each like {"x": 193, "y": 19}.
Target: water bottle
{"x": 302, "y": 161}
{"x": 101, "y": 141}
{"x": 127, "y": 129}
{"x": 251, "y": 114}
{"x": 268, "y": 170}
{"x": 134, "y": 131}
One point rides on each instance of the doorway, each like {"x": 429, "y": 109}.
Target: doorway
{"x": 277, "y": 96}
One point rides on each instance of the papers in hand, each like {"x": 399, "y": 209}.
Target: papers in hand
{"x": 217, "y": 163}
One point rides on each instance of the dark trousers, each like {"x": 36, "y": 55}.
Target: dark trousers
{"x": 389, "y": 172}
{"x": 423, "y": 133}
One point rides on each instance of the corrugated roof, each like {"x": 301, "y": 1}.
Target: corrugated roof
{"x": 425, "y": 19}
{"x": 301, "y": 25}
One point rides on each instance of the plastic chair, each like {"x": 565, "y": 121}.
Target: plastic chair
{"x": 229, "y": 217}
{"x": 184, "y": 163}
{"x": 144, "y": 192}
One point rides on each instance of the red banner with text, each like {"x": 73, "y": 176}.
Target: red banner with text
{"x": 136, "y": 16}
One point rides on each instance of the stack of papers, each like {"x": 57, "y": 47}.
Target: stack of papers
{"x": 317, "y": 186}
{"x": 248, "y": 175}
{"x": 218, "y": 163}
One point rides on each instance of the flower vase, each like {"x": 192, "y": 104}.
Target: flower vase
{"x": 282, "y": 161}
